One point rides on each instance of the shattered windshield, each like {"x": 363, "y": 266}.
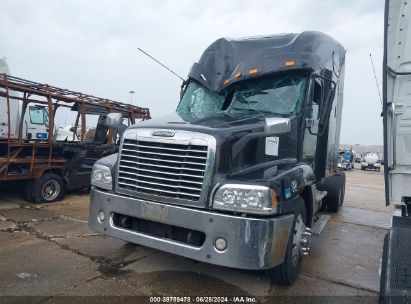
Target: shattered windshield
{"x": 200, "y": 101}
{"x": 281, "y": 94}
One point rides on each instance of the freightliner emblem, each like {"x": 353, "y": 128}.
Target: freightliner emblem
{"x": 163, "y": 133}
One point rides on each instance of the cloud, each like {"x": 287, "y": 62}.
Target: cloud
{"x": 91, "y": 46}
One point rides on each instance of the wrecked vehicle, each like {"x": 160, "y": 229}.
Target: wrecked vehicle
{"x": 47, "y": 160}
{"x": 237, "y": 175}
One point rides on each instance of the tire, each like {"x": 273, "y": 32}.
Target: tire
{"x": 383, "y": 280}
{"x": 49, "y": 188}
{"x": 335, "y": 187}
{"x": 27, "y": 191}
{"x": 287, "y": 272}
{"x": 362, "y": 168}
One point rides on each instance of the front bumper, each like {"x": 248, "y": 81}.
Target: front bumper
{"x": 251, "y": 243}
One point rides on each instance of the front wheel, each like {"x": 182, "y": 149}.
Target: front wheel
{"x": 335, "y": 187}
{"x": 49, "y": 188}
{"x": 287, "y": 272}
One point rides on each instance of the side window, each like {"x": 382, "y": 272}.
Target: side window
{"x": 317, "y": 97}
{"x": 37, "y": 115}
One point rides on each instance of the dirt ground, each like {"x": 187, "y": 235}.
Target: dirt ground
{"x": 48, "y": 250}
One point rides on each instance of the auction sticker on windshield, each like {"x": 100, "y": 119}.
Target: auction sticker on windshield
{"x": 271, "y": 145}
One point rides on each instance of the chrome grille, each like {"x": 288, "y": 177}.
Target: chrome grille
{"x": 164, "y": 169}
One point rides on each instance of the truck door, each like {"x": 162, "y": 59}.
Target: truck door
{"x": 311, "y": 118}
{"x": 397, "y": 103}
{"x": 36, "y": 123}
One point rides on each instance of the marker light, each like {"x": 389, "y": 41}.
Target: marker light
{"x": 253, "y": 71}
{"x": 289, "y": 63}
{"x": 226, "y": 81}
{"x": 238, "y": 75}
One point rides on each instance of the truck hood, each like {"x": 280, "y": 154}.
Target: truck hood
{"x": 228, "y": 130}
{"x": 211, "y": 124}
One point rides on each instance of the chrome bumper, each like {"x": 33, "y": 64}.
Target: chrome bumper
{"x": 251, "y": 243}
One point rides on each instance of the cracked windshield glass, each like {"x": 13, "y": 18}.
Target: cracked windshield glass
{"x": 280, "y": 94}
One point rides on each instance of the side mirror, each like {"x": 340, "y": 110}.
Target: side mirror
{"x": 114, "y": 119}
{"x": 277, "y": 125}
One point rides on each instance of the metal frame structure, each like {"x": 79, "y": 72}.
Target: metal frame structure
{"x": 53, "y": 97}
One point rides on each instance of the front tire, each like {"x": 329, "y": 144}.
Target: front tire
{"x": 287, "y": 272}
{"x": 335, "y": 187}
{"x": 49, "y": 188}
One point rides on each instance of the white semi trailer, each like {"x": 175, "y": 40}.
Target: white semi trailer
{"x": 396, "y": 262}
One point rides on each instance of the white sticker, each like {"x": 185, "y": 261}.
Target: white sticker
{"x": 271, "y": 145}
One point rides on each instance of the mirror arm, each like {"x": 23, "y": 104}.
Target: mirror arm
{"x": 325, "y": 115}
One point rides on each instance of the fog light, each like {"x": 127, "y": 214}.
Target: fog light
{"x": 220, "y": 244}
{"x": 101, "y": 216}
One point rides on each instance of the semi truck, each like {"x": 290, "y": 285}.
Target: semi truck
{"x": 370, "y": 161}
{"x": 34, "y": 121}
{"x": 46, "y": 161}
{"x": 396, "y": 261}
{"x": 237, "y": 175}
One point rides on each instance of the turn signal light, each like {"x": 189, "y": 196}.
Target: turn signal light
{"x": 226, "y": 81}
{"x": 273, "y": 200}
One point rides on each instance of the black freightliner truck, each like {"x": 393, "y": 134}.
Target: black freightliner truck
{"x": 236, "y": 176}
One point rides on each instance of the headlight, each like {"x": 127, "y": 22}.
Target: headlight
{"x": 101, "y": 177}
{"x": 246, "y": 198}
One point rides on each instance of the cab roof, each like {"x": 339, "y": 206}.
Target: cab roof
{"x": 222, "y": 62}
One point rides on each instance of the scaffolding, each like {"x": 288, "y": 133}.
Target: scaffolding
{"x": 30, "y": 154}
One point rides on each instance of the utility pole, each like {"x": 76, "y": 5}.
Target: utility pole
{"x": 131, "y": 96}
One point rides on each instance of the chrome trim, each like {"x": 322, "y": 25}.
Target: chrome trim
{"x": 165, "y": 154}
{"x": 161, "y": 178}
{"x": 277, "y": 125}
{"x": 252, "y": 243}
{"x": 182, "y": 174}
{"x": 183, "y": 138}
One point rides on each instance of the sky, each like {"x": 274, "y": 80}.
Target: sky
{"x": 91, "y": 46}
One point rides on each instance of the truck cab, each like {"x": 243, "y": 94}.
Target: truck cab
{"x": 236, "y": 176}
{"x": 35, "y": 121}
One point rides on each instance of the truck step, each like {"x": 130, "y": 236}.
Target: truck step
{"x": 320, "y": 224}
{"x": 396, "y": 272}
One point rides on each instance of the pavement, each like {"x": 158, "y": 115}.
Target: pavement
{"x": 48, "y": 251}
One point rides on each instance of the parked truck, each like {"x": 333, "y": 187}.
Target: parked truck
{"x": 237, "y": 175}
{"x": 346, "y": 160}
{"x": 42, "y": 159}
{"x": 370, "y": 162}
{"x": 396, "y": 269}
{"x": 34, "y": 120}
